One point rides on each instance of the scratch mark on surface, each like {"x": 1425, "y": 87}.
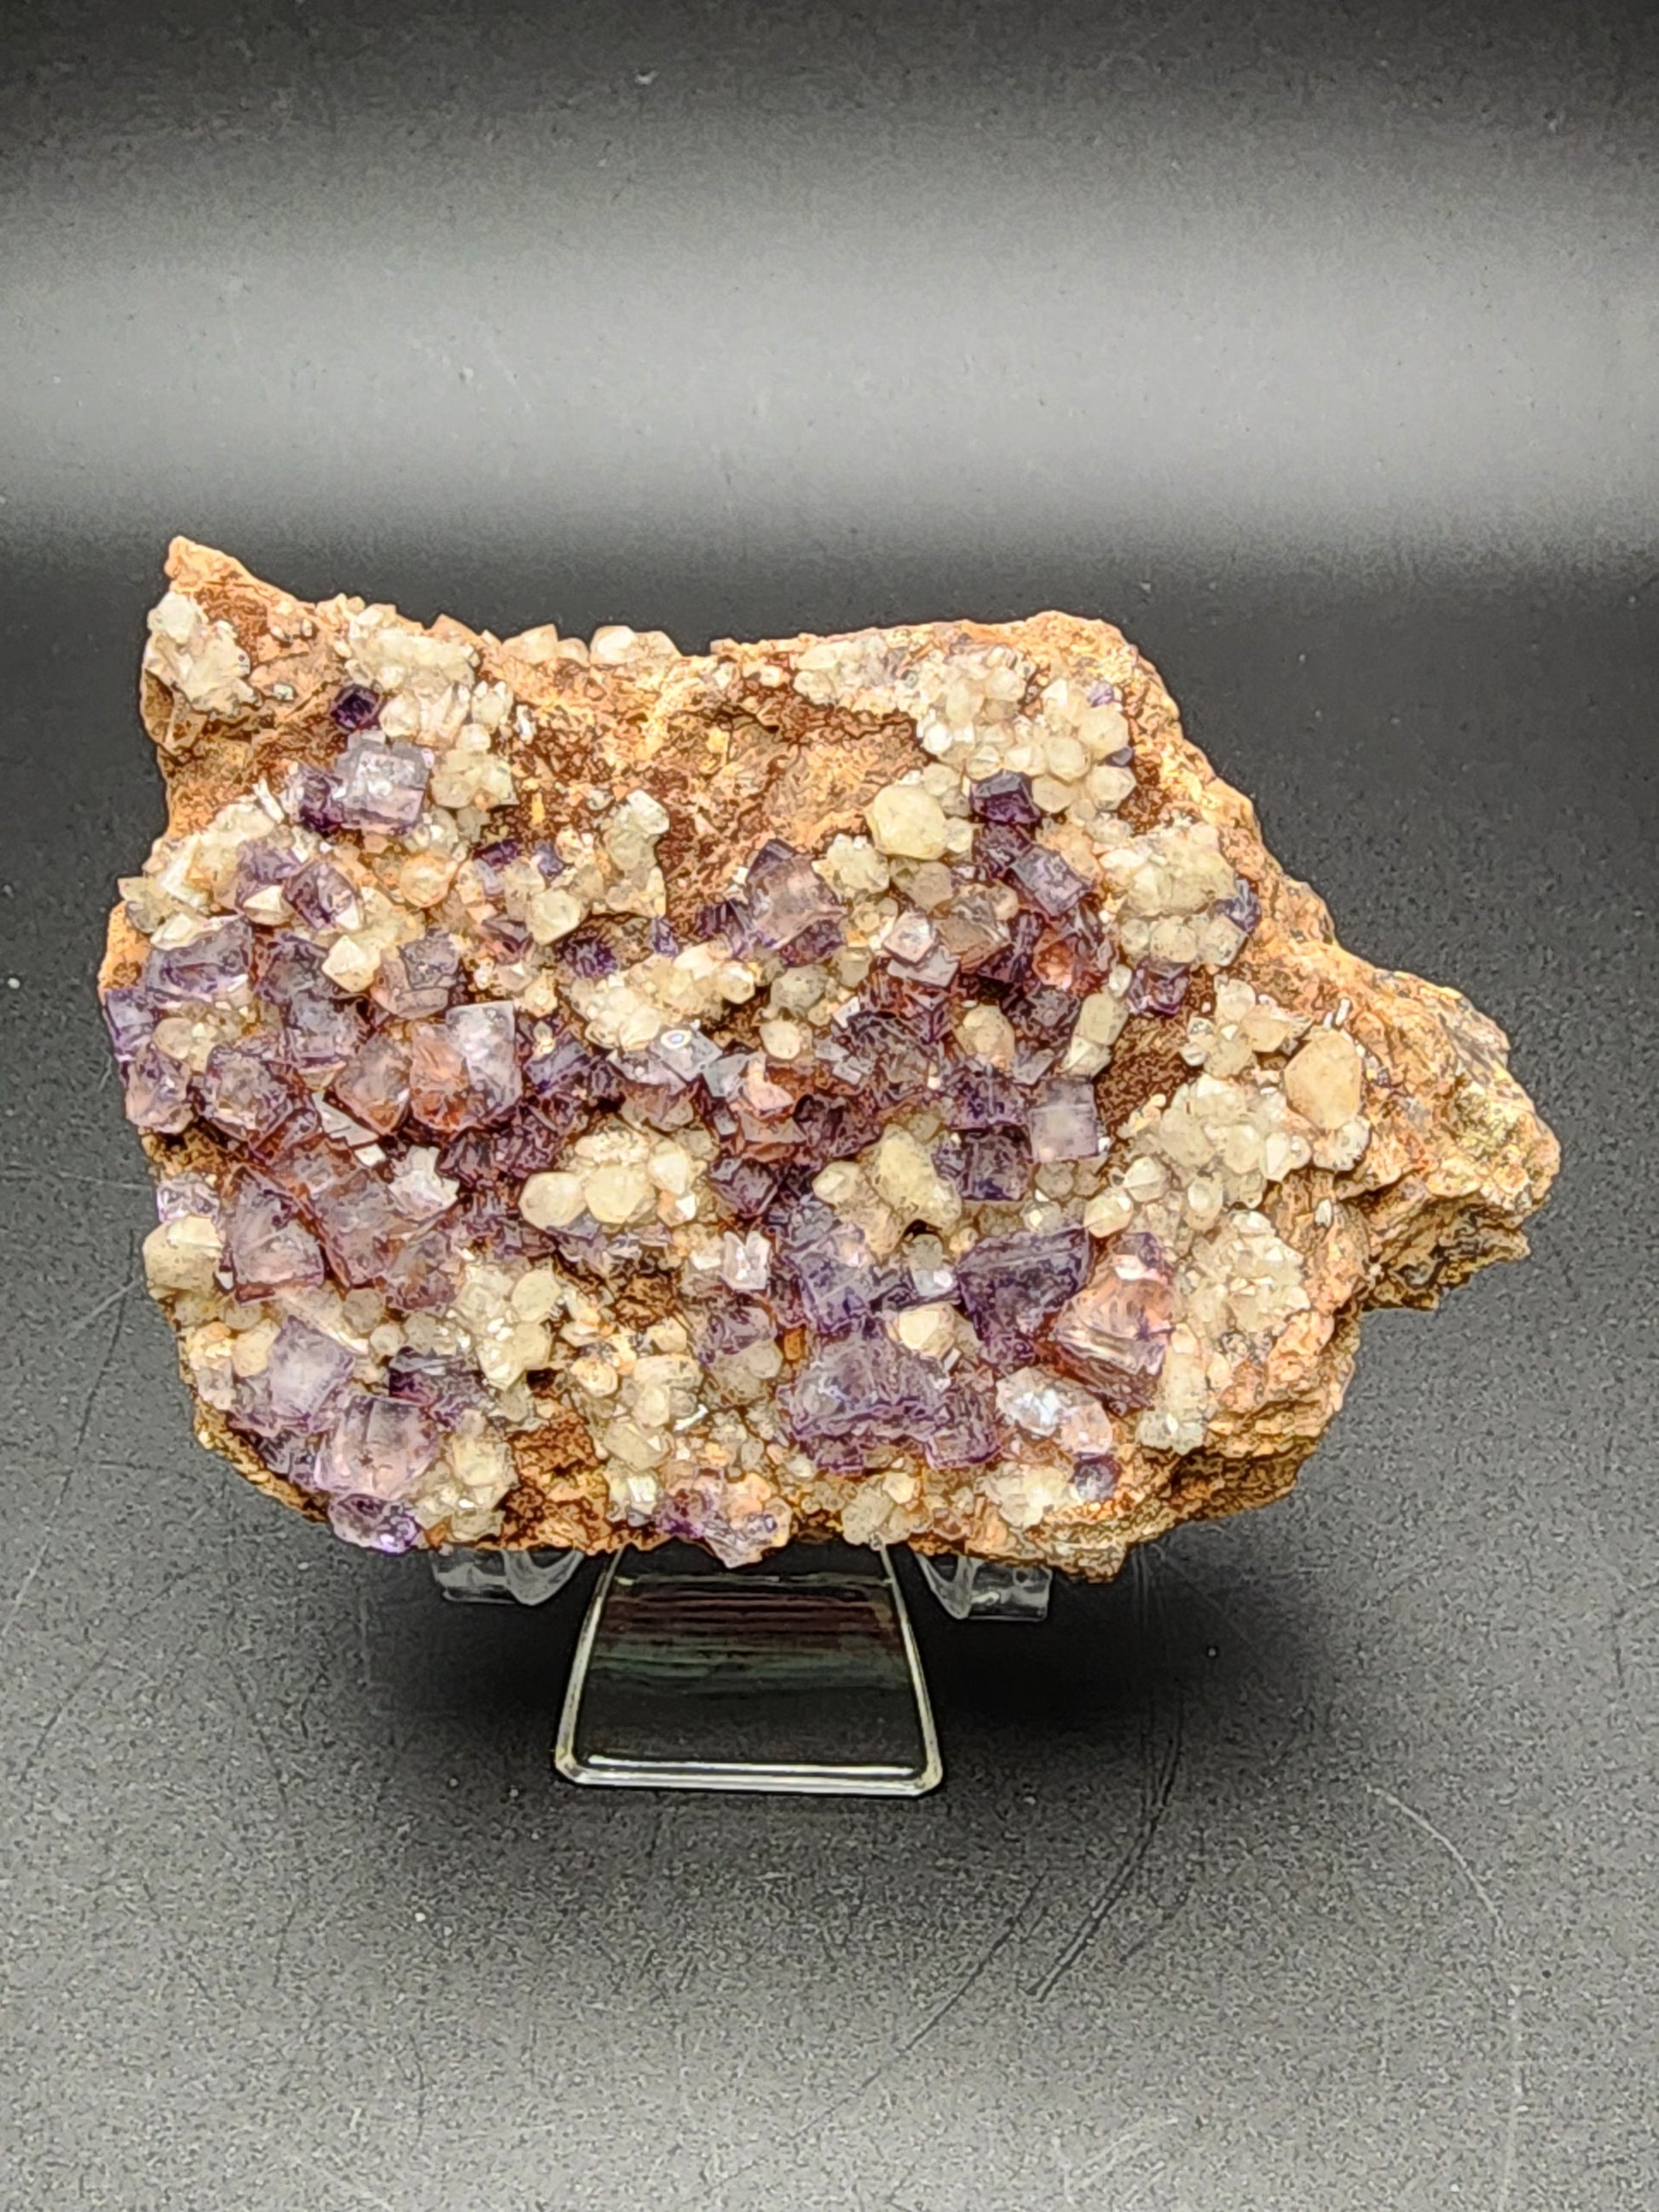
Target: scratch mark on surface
{"x": 12, "y": 1173}
{"x": 178, "y": 1951}
{"x": 1158, "y": 1787}
{"x": 356, "y": 2190}
{"x": 256, "y": 1728}
{"x": 102, "y": 1306}
{"x": 116, "y": 1299}
{"x": 918, "y": 2035}
{"x": 1134, "y": 2142}
{"x": 1500, "y": 1960}
{"x": 1159, "y": 1771}
{"x": 1618, "y": 1616}
{"x": 95, "y": 1667}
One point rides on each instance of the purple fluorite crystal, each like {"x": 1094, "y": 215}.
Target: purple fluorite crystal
{"x": 1047, "y": 881}
{"x": 986, "y": 1164}
{"x": 747, "y": 1186}
{"x": 1004, "y": 798}
{"x": 1243, "y": 907}
{"x": 178, "y": 1196}
{"x": 363, "y": 1233}
{"x": 589, "y": 954}
{"x": 1095, "y": 1479}
{"x": 379, "y": 786}
{"x": 977, "y": 1096}
{"x": 685, "y": 1053}
{"x": 705, "y": 1511}
{"x": 792, "y": 910}
{"x": 379, "y": 1448}
{"x": 1009, "y": 1286}
{"x": 306, "y": 1375}
{"x": 373, "y": 1084}
{"x": 724, "y": 919}
{"x": 420, "y": 1275}
{"x": 443, "y": 1386}
{"x": 1063, "y": 1123}
{"x": 1158, "y": 987}
{"x": 212, "y": 970}
{"x": 157, "y": 1091}
{"x": 355, "y": 708}
{"x": 373, "y": 1523}
{"x": 266, "y": 1246}
{"x": 728, "y": 1325}
{"x": 321, "y": 1025}
{"x": 263, "y": 865}
{"x": 1010, "y": 965}
{"x": 129, "y": 1016}
{"x": 416, "y": 979}
{"x": 506, "y": 939}
{"x": 998, "y": 845}
{"x": 1114, "y": 1333}
{"x": 834, "y": 1273}
{"x": 865, "y": 1395}
{"x": 301, "y": 1387}
{"x": 308, "y": 800}
{"x": 323, "y": 896}
{"x": 971, "y": 927}
{"x": 1044, "y": 1017}
{"x": 243, "y": 1094}
{"x": 464, "y": 1071}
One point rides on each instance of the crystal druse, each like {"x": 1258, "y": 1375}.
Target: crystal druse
{"x": 877, "y": 1085}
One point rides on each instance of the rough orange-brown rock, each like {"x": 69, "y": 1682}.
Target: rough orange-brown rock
{"x": 1004, "y": 1167}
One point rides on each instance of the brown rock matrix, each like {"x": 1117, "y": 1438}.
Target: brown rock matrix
{"x": 876, "y": 1084}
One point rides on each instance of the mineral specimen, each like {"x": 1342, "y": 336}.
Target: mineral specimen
{"x": 875, "y": 1083}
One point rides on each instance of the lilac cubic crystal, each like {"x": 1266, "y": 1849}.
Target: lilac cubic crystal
{"x": 987, "y": 1163}
{"x": 355, "y": 708}
{"x": 1063, "y": 1123}
{"x": 1009, "y": 1286}
{"x": 379, "y": 786}
{"x": 323, "y": 896}
{"x": 267, "y": 1247}
{"x": 373, "y": 1523}
{"x": 1114, "y": 1333}
{"x": 417, "y": 980}
{"x": 373, "y": 1084}
{"x": 1243, "y": 907}
{"x": 212, "y": 970}
{"x": 157, "y": 1091}
{"x": 792, "y": 910}
{"x": 1004, "y": 798}
{"x": 244, "y": 1095}
{"x": 1047, "y": 881}
{"x": 379, "y": 1448}
{"x": 1158, "y": 987}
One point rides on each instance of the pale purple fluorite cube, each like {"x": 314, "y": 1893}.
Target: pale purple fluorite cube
{"x": 379, "y": 1448}
{"x": 373, "y": 1523}
{"x": 379, "y": 786}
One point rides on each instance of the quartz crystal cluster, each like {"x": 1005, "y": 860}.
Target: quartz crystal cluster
{"x": 876, "y": 1085}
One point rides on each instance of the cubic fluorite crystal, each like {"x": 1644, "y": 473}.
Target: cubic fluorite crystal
{"x": 877, "y": 1083}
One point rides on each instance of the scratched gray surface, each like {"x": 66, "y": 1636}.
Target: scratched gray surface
{"x": 1311, "y": 1867}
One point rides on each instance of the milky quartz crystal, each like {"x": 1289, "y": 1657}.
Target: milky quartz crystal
{"x": 875, "y": 1084}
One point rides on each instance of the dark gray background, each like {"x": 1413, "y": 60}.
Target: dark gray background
{"x": 1311, "y": 1866}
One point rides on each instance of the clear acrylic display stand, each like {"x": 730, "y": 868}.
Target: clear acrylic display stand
{"x": 801, "y": 1674}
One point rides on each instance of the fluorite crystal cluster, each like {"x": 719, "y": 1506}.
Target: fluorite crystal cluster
{"x": 876, "y": 1085}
